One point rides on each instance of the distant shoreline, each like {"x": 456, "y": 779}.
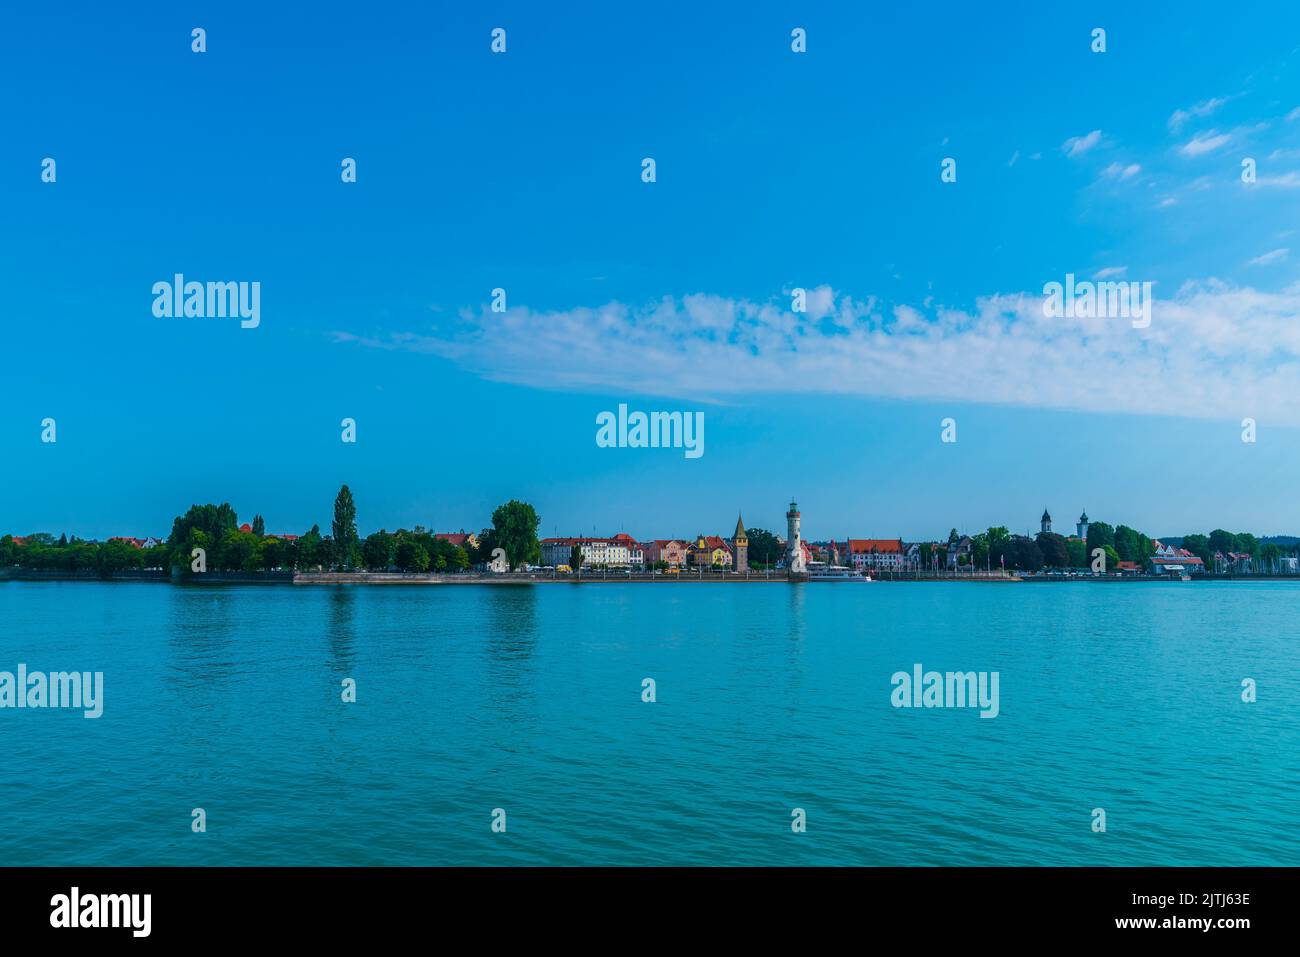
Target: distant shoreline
{"x": 156, "y": 576}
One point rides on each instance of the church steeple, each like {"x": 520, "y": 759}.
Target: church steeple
{"x": 740, "y": 547}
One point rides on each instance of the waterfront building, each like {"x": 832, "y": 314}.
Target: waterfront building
{"x": 672, "y": 551}
{"x": 635, "y": 550}
{"x": 740, "y": 547}
{"x": 1045, "y": 522}
{"x": 1237, "y": 563}
{"x": 709, "y": 550}
{"x": 605, "y": 552}
{"x": 957, "y": 550}
{"x": 1171, "y": 560}
{"x": 465, "y": 540}
{"x": 557, "y": 551}
{"x": 1081, "y": 529}
{"x": 133, "y": 542}
{"x": 878, "y": 554}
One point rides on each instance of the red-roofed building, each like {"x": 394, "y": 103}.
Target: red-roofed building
{"x": 670, "y": 550}
{"x": 876, "y": 553}
{"x": 710, "y": 550}
{"x": 1239, "y": 563}
{"x": 465, "y": 540}
{"x": 636, "y": 552}
{"x": 1171, "y": 560}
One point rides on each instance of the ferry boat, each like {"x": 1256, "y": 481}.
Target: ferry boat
{"x": 822, "y": 572}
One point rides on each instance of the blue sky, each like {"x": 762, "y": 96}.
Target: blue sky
{"x": 775, "y": 170}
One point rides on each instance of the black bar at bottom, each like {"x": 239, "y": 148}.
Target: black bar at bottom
{"x": 340, "y": 905}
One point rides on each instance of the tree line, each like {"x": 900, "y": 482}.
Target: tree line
{"x": 215, "y": 529}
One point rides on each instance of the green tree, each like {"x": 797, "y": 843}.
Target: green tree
{"x": 327, "y": 553}
{"x": 515, "y": 529}
{"x": 1112, "y": 559}
{"x": 410, "y": 556}
{"x": 213, "y": 521}
{"x": 1268, "y": 556}
{"x": 764, "y": 549}
{"x": 1054, "y": 550}
{"x": 274, "y": 554}
{"x": 482, "y": 553}
{"x": 259, "y": 526}
{"x": 1199, "y": 545}
{"x": 114, "y": 556}
{"x": 345, "y": 527}
{"x": 1220, "y": 541}
{"x": 377, "y": 551}
{"x": 575, "y": 556}
{"x": 309, "y": 553}
{"x": 239, "y": 551}
{"x": 1100, "y": 535}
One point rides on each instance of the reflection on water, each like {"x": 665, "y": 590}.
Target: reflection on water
{"x": 341, "y": 629}
{"x": 510, "y": 613}
{"x": 201, "y": 636}
{"x": 798, "y": 595}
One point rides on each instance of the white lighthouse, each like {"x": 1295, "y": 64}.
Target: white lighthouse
{"x": 794, "y": 544}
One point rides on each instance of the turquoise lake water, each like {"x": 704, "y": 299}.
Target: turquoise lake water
{"x": 769, "y": 697}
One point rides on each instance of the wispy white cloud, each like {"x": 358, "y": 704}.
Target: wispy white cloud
{"x": 1200, "y": 110}
{"x": 1121, "y": 171}
{"x": 1208, "y": 342}
{"x": 1078, "y": 145}
{"x": 1205, "y": 142}
{"x": 1288, "y": 180}
{"x": 1275, "y": 255}
{"x": 1110, "y": 272}
{"x": 1293, "y": 115}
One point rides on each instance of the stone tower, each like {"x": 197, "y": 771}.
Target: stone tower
{"x": 1082, "y": 527}
{"x": 794, "y": 544}
{"x": 740, "y": 547}
{"x": 1046, "y": 522}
